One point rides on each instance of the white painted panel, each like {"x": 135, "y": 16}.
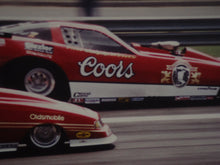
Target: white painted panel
{"x": 99, "y": 90}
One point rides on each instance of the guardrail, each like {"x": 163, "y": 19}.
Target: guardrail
{"x": 193, "y": 31}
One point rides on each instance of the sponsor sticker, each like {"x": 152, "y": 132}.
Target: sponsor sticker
{"x": 81, "y": 94}
{"x": 104, "y": 100}
{"x": 39, "y": 48}
{"x": 8, "y": 145}
{"x": 137, "y": 99}
{"x": 208, "y": 88}
{"x": 202, "y": 98}
{"x": 181, "y": 98}
{"x": 46, "y": 117}
{"x": 180, "y": 74}
{"x": 123, "y": 100}
{"x": 194, "y": 98}
{"x": 38, "y": 54}
{"x": 91, "y": 66}
{"x": 83, "y": 135}
{"x": 92, "y": 101}
{"x": 210, "y": 98}
{"x": 2, "y": 42}
{"x": 77, "y": 100}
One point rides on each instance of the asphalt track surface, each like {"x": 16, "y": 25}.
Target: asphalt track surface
{"x": 146, "y": 135}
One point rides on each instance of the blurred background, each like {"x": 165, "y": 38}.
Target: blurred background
{"x": 110, "y": 8}
{"x": 191, "y": 22}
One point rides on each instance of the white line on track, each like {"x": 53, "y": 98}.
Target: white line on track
{"x": 161, "y": 118}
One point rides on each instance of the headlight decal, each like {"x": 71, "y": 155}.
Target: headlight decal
{"x": 98, "y": 124}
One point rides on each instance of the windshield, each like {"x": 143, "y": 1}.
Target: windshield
{"x": 30, "y": 30}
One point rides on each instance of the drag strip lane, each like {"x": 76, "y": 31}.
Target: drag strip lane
{"x": 161, "y": 118}
{"x": 163, "y": 136}
{"x": 188, "y": 135}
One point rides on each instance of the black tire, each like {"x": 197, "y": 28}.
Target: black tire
{"x": 46, "y": 137}
{"x": 42, "y": 79}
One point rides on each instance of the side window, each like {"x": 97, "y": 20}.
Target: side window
{"x": 98, "y": 41}
{"x": 90, "y": 39}
{"x": 71, "y": 36}
{"x": 39, "y": 33}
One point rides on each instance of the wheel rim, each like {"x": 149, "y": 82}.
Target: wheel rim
{"x": 45, "y": 136}
{"x": 39, "y": 81}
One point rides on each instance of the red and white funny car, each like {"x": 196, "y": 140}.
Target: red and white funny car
{"x": 91, "y": 65}
{"x": 44, "y": 123}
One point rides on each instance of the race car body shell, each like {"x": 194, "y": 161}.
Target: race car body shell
{"x": 99, "y": 66}
{"x": 20, "y": 112}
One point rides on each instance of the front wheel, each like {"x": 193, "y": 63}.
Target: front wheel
{"x": 44, "y": 79}
{"x": 45, "y": 137}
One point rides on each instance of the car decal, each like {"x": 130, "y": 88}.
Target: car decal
{"x": 100, "y": 69}
{"x": 4, "y": 147}
{"x": 2, "y": 42}
{"x": 39, "y": 47}
{"x": 81, "y": 94}
{"x": 83, "y": 134}
{"x": 38, "y": 54}
{"x": 92, "y": 100}
{"x": 180, "y": 74}
{"x": 46, "y": 117}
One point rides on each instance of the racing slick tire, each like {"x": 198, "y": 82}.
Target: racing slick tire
{"x": 44, "y": 79}
{"x": 45, "y": 137}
